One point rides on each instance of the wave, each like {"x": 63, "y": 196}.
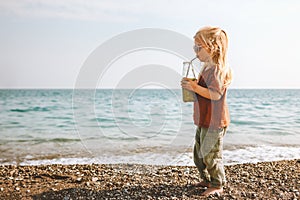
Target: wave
{"x": 148, "y": 156}
{"x": 41, "y": 140}
{"x": 37, "y": 108}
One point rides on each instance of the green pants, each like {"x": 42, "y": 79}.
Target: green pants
{"x": 208, "y": 156}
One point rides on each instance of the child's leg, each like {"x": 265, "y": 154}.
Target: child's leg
{"x": 198, "y": 158}
{"x": 211, "y": 150}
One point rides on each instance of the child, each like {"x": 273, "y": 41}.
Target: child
{"x": 211, "y": 113}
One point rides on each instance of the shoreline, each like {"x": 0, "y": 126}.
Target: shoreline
{"x": 239, "y": 154}
{"x": 267, "y": 180}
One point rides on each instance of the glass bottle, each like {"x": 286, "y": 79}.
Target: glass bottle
{"x": 188, "y": 72}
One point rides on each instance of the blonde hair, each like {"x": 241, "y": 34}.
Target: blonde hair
{"x": 215, "y": 41}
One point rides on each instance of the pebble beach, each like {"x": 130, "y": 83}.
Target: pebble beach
{"x": 264, "y": 180}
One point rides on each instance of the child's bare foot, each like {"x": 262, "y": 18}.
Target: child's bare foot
{"x": 212, "y": 190}
{"x": 202, "y": 184}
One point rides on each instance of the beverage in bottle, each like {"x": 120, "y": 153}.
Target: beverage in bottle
{"x": 188, "y": 72}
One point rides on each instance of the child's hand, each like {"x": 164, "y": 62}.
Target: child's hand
{"x": 189, "y": 84}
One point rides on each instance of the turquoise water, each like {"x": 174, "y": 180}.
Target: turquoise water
{"x": 140, "y": 126}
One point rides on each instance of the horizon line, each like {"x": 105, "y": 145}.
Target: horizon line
{"x": 68, "y": 88}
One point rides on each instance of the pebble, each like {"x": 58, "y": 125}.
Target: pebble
{"x": 94, "y": 179}
{"x": 269, "y": 180}
{"x": 79, "y": 179}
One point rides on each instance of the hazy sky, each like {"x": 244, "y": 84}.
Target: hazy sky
{"x": 45, "y": 43}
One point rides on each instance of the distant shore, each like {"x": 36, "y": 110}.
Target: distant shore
{"x": 267, "y": 180}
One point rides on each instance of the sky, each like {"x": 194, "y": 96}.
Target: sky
{"x": 45, "y": 43}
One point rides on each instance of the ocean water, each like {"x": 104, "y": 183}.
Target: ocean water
{"x": 146, "y": 126}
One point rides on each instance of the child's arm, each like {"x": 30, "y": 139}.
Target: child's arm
{"x": 202, "y": 91}
{"x": 206, "y": 93}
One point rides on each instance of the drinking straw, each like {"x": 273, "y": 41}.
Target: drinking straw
{"x": 190, "y": 63}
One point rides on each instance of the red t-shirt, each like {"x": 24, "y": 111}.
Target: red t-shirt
{"x": 213, "y": 114}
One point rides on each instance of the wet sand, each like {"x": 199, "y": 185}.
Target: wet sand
{"x": 266, "y": 180}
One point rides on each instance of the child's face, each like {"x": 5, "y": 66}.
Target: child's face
{"x": 202, "y": 53}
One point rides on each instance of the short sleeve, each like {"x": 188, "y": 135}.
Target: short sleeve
{"x": 214, "y": 82}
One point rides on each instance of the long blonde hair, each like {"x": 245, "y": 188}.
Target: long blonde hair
{"x": 215, "y": 41}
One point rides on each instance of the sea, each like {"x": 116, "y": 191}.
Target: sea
{"x": 140, "y": 126}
